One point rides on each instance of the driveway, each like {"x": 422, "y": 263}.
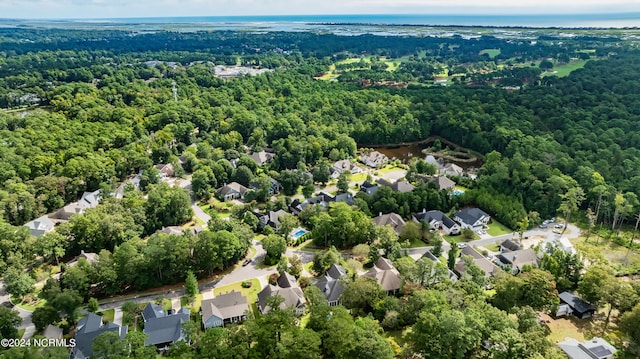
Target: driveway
{"x": 571, "y": 232}
{"x": 249, "y": 271}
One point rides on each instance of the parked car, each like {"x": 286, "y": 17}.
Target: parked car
{"x": 557, "y": 231}
{"x": 462, "y": 245}
{"x": 559, "y": 225}
{"x": 246, "y": 262}
{"x": 543, "y": 225}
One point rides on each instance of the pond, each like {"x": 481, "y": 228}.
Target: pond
{"x": 405, "y": 153}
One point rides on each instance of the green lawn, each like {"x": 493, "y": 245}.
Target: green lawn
{"x": 250, "y": 293}
{"x": 417, "y": 243}
{"x": 497, "y": 229}
{"x": 495, "y": 247}
{"x": 166, "y": 304}
{"x": 389, "y": 168}
{"x": 21, "y": 332}
{"x": 108, "y": 315}
{"x": 195, "y": 306}
{"x": 29, "y": 306}
{"x": 358, "y": 177}
{"x": 565, "y": 70}
{"x": 491, "y": 52}
{"x": 308, "y": 246}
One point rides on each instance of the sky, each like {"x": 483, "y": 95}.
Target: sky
{"x": 100, "y": 9}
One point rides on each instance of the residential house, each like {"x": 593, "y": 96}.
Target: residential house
{"x": 287, "y": 288}
{"x": 392, "y": 220}
{"x": 262, "y": 157}
{"x": 386, "y": 275}
{"x": 473, "y": 218}
{"x": 451, "y": 169}
{"x": 87, "y": 330}
{"x": 443, "y": 183}
{"x": 434, "y": 161}
{"x": 342, "y": 166}
{"x": 39, "y": 226}
{"x": 163, "y": 328}
{"x": 344, "y": 197}
{"x": 322, "y": 199}
{"x": 437, "y": 221}
{"x": 516, "y": 260}
{"x": 331, "y": 284}
{"x": 488, "y": 267}
{"x": 269, "y": 218}
{"x": 67, "y": 211}
{"x": 509, "y": 246}
{"x": 402, "y": 187}
{"x": 88, "y": 200}
{"x": 562, "y": 243}
{"x": 231, "y": 191}
{"x": 166, "y": 170}
{"x": 452, "y": 276}
{"x": 52, "y": 332}
{"x": 596, "y": 348}
{"x": 369, "y": 188}
{"x": 274, "y": 187}
{"x": 224, "y": 309}
{"x": 374, "y": 159}
{"x": 571, "y": 304}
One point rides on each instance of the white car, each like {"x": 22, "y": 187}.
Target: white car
{"x": 557, "y": 231}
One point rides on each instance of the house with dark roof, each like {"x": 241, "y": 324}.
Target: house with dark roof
{"x": 516, "y": 260}
{"x": 571, "y": 304}
{"x": 224, "y": 309}
{"x": 262, "y": 157}
{"x": 369, "y": 188}
{"x": 287, "y": 288}
{"x": 596, "y": 348}
{"x": 374, "y": 159}
{"x": 269, "y": 218}
{"x": 473, "y": 218}
{"x": 488, "y": 267}
{"x": 452, "y": 276}
{"x": 437, "y": 221}
{"x": 322, "y": 199}
{"x": 331, "y": 285}
{"x": 39, "y": 226}
{"x": 231, "y": 191}
{"x": 386, "y": 275}
{"x": 87, "y": 330}
{"x": 163, "y": 328}
{"x": 274, "y": 187}
{"x": 509, "y": 246}
{"x": 392, "y": 220}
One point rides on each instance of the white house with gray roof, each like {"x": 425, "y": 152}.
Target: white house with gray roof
{"x": 226, "y": 308}
{"x": 437, "y": 221}
{"x": 473, "y": 218}
{"x": 87, "y": 330}
{"x": 331, "y": 286}
{"x": 39, "y": 226}
{"x": 596, "y": 348}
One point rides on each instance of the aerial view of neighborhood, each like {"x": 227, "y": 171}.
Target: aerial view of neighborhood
{"x": 349, "y": 187}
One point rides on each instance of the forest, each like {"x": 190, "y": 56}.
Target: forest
{"x": 85, "y": 111}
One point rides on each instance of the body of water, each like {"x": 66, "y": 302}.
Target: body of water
{"x": 342, "y": 23}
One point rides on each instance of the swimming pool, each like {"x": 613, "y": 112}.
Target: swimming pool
{"x": 457, "y": 192}
{"x": 299, "y": 232}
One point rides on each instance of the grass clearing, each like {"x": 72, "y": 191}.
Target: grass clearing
{"x": 166, "y": 304}
{"x": 569, "y": 327}
{"x": 358, "y": 177}
{"x": 491, "y": 52}
{"x": 620, "y": 258}
{"x": 108, "y": 315}
{"x": 495, "y": 247}
{"x": 21, "y": 332}
{"x": 390, "y": 168}
{"x": 29, "y": 306}
{"x": 251, "y": 293}
{"x": 498, "y": 229}
{"x": 565, "y": 70}
{"x": 308, "y": 246}
{"x": 194, "y": 307}
{"x": 415, "y": 243}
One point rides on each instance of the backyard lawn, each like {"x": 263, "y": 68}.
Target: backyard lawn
{"x": 358, "y": 177}
{"x": 251, "y": 293}
{"x": 193, "y": 307}
{"x": 497, "y": 229}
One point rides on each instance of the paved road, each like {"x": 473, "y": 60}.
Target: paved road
{"x": 252, "y": 270}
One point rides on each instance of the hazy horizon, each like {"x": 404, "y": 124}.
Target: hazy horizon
{"x": 124, "y": 9}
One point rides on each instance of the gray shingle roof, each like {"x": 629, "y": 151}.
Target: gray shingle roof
{"x": 385, "y": 274}
{"x": 392, "y": 220}
{"x": 470, "y": 215}
{"x": 330, "y": 284}
{"x": 161, "y": 327}
{"x": 225, "y": 306}
{"x": 87, "y": 330}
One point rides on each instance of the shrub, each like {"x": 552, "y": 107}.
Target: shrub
{"x": 246, "y": 284}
